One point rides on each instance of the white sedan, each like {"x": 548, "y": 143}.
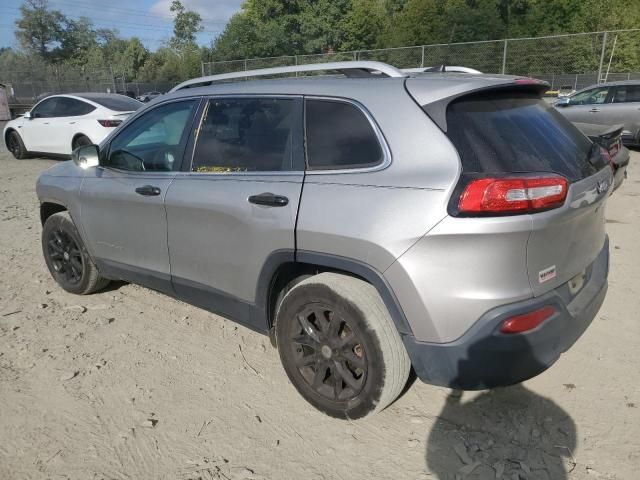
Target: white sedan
{"x": 59, "y": 124}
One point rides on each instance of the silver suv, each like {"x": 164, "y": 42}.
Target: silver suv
{"x": 369, "y": 221}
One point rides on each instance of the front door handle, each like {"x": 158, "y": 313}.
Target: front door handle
{"x": 148, "y": 191}
{"x": 594, "y": 110}
{"x": 269, "y": 199}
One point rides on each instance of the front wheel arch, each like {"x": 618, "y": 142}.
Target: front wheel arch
{"x": 6, "y": 137}
{"x": 78, "y": 136}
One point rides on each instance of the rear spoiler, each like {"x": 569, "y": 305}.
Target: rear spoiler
{"x": 437, "y": 110}
{"x": 603, "y": 131}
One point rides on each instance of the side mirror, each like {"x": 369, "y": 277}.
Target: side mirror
{"x": 86, "y": 157}
{"x": 27, "y": 116}
{"x": 563, "y": 102}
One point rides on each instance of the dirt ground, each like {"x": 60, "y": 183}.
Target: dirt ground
{"x": 130, "y": 384}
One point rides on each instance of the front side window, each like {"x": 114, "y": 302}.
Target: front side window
{"x": 248, "y": 135}
{"x": 155, "y": 141}
{"x": 627, "y": 94}
{"x": 339, "y": 135}
{"x": 46, "y": 108}
{"x": 595, "y": 96}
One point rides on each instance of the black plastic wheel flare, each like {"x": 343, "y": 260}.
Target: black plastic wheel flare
{"x": 328, "y": 354}
{"x": 65, "y": 256}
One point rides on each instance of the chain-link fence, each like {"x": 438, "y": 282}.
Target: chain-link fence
{"x": 576, "y": 60}
{"x": 586, "y": 58}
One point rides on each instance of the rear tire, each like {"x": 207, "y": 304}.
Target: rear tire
{"x": 16, "y": 146}
{"x": 81, "y": 141}
{"x": 339, "y": 346}
{"x": 67, "y": 258}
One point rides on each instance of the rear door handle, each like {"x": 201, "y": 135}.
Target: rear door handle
{"x": 148, "y": 191}
{"x": 594, "y": 110}
{"x": 269, "y": 199}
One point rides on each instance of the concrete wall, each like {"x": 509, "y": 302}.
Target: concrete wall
{"x": 4, "y": 104}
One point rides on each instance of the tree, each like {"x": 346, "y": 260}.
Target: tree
{"x": 77, "y": 38}
{"x": 129, "y": 61}
{"x": 39, "y": 29}
{"x": 361, "y": 26}
{"x": 186, "y": 24}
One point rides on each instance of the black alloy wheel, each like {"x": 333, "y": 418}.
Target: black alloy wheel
{"x": 328, "y": 354}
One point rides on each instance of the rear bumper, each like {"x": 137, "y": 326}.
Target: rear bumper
{"x": 621, "y": 161}
{"x": 485, "y": 358}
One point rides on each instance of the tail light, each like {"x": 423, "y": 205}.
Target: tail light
{"x": 608, "y": 157}
{"x": 513, "y": 195}
{"x": 109, "y": 123}
{"x": 527, "y": 321}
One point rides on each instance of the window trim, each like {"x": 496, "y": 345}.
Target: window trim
{"x": 382, "y": 141}
{"x": 197, "y": 113}
{"x": 206, "y": 100}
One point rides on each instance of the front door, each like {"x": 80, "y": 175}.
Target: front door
{"x": 236, "y": 203}
{"x": 122, "y": 201}
{"x": 589, "y": 106}
{"x": 37, "y": 132}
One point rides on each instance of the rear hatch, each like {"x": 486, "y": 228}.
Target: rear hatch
{"x": 539, "y": 162}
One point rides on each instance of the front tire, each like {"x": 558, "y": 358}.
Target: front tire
{"x": 16, "y": 146}
{"x": 67, "y": 258}
{"x": 339, "y": 346}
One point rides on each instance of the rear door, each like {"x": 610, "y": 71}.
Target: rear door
{"x": 68, "y": 112}
{"x": 236, "y": 203}
{"x": 501, "y": 134}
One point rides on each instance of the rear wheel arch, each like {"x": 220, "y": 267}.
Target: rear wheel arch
{"x": 283, "y": 271}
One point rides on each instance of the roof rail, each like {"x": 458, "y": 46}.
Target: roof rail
{"x": 349, "y": 69}
{"x": 442, "y": 69}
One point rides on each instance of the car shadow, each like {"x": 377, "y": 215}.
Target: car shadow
{"x": 508, "y": 433}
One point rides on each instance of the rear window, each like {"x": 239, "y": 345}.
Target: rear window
{"x": 118, "y": 103}
{"x": 518, "y": 133}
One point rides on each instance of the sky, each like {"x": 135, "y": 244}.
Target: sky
{"x": 148, "y": 20}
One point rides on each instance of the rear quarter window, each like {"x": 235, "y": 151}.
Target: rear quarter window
{"x": 339, "y": 136}
{"x": 509, "y": 132}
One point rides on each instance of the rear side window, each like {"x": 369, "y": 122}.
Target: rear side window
{"x": 249, "y": 135}
{"x": 70, "y": 107}
{"x": 339, "y": 135}
{"x": 117, "y": 103}
{"x": 518, "y": 133}
{"x": 627, "y": 94}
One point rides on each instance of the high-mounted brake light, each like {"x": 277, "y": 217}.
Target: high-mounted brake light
{"x": 527, "y": 321}
{"x": 513, "y": 195}
{"x": 109, "y": 123}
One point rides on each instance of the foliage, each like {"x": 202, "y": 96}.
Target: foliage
{"x": 52, "y": 45}
{"x": 185, "y": 26}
